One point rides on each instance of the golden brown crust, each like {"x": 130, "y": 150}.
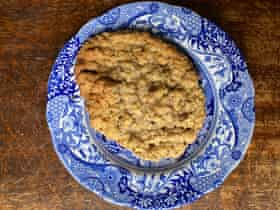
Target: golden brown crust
{"x": 141, "y": 92}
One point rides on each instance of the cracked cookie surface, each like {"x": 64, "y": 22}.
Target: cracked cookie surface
{"x": 141, "y": 92}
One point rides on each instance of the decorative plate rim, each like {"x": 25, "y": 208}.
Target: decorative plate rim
{"x": 209, "y": 45}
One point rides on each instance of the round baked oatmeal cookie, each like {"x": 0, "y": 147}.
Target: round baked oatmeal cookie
{"x": 141, "y": 92}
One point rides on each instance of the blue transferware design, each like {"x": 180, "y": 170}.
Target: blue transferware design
{"x": 114, "y": 173}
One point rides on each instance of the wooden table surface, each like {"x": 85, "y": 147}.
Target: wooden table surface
{"x": 32, "y": 32}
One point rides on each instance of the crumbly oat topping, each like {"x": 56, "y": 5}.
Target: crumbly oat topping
{"x": 141, "y": 92}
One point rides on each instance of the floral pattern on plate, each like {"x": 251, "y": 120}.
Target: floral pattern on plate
{"x": 231, "y": 108}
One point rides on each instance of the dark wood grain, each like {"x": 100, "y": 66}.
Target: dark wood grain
{"x": 32, "y": 32}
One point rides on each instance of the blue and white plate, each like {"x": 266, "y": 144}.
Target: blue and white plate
{"x": 114, "y": 173}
